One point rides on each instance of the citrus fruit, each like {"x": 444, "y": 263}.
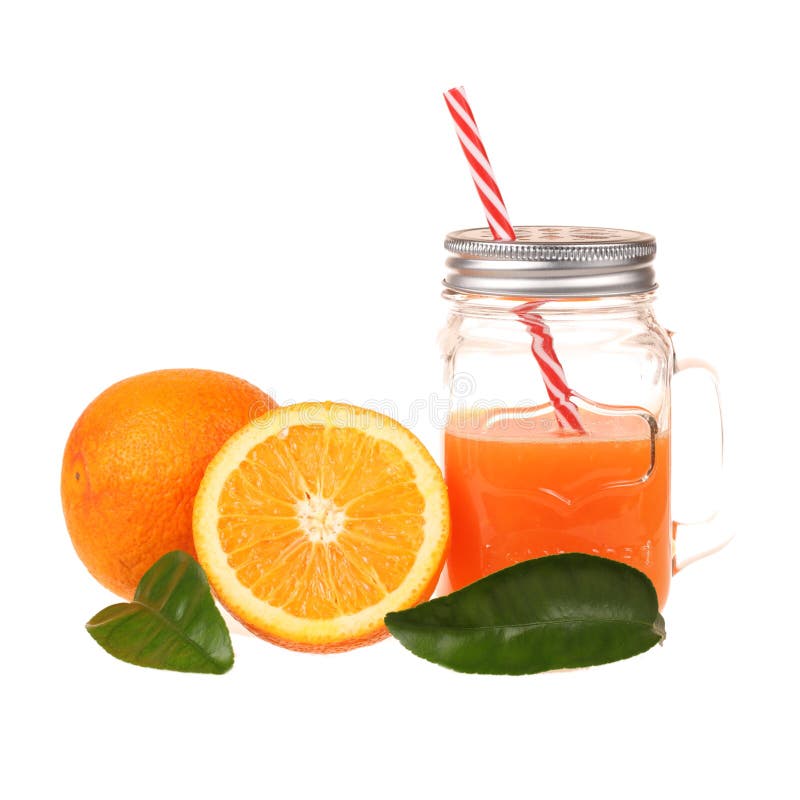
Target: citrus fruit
{"x": 317, "y": 519}
{"x": 133, "y": 463}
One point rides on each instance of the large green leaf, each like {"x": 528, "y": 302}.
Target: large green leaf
{"x": 569, "y": 610}
{"x": 172, "y": 622}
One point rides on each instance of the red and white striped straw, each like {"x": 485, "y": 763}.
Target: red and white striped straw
{"x": 555, "y": 381}
{"x": 479, "y": 165}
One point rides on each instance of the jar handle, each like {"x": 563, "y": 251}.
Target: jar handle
{"x": 684, "y": 365}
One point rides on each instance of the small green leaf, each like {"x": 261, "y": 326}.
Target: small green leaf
{"x": 172, "y": 622}
{"x": 556, "y": 612}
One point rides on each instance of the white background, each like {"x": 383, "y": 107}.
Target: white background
{"x": 263, "y": 188}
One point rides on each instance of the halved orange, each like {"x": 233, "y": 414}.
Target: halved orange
{"x": 317, "y": 519}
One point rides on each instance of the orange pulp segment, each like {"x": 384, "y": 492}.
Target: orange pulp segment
{"x": 317, "y": 519}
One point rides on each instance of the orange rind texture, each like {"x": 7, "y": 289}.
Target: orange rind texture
{"x": 134, "y": 460}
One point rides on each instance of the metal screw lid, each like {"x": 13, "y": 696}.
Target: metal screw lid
{"x": 551, "y": 261}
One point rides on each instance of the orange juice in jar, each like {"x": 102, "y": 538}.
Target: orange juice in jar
{"x": 522, "y": 486}
{"x": 519, "y": 493}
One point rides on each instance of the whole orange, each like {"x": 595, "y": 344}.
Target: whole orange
{"x": 134, "y": 460}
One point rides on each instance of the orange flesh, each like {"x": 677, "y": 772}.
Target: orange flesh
{"x": 518, "y": 491}
{"x": 321, "y": 521}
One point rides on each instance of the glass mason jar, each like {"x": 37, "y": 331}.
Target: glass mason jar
{"x": 569, "y": 310}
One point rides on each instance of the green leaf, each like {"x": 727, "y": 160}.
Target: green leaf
{"x": 172, "y": 622}
{"x": 556, "y": 612}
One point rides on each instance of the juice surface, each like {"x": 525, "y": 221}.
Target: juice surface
{"x": 521, "y": 489}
